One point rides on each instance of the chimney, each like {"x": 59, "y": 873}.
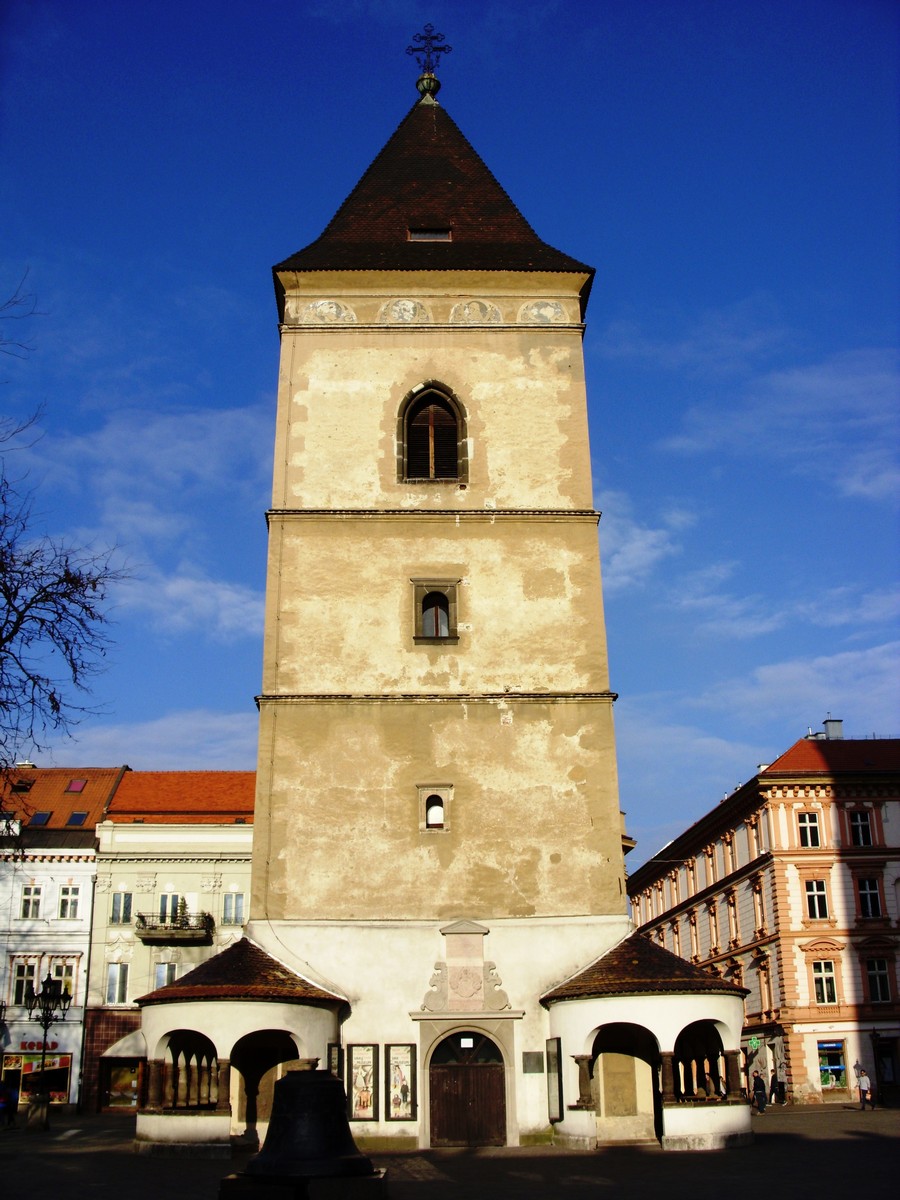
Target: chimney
{"x": 834, "y": 728}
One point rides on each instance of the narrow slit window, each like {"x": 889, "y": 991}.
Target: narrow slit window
{"x": 429, "y": 235}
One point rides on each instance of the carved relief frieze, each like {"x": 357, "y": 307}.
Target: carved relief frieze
{"x": 475, "y": 312}
{"x": 211, "y": 883}
{"x": 104, "y": 884}
{"x": 145, "y": 883}
{"x": 435, "y": 999}
{"x": 405, "y": 311}
{"x": 542, "y": 312}
{"x": 321, "y": 312}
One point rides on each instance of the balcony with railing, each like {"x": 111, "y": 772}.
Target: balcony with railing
{"x": 151, "y": 928}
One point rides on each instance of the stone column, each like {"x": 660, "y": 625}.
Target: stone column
{"x": 733, "y": 1073}
{"x": 155, "y": 1070}
{"x": 668, "y": 1077}
{"x": 223, "y": 1099}
{"x": 585, "y": 1099}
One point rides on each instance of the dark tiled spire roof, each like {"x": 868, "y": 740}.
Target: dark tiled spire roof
{"x": 242, "y": 972}
{"x": 428, "y": 176}
{"x": 639, "y": 967}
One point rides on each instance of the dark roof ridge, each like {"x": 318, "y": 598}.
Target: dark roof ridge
{"x": 638, "y": 966}
{"x": 429, "y": 177}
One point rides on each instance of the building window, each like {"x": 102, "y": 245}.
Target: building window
{"x": 121, "y": 909}
{"x": 431, "y": 438}
{"x": 77, "y": 817}
{"x": 25, "y": 974}
{"x": 39, "y": 818}
{"x": 869, "y": 897}
{"x": 816, "y": 899}
{"x": 165, "y": 974}
{"x": 117, "y": 983}
{"x": 808, "y": 823}
{"x": 168, "y": 907}
{"x": 233, "y": 908}
{"x": 76, "y": 785}
{"x": 879, "y": 980}
{"x": 65, "y": 973}
{"x": 434, "y": 806}
{"x": 68, "y": 902}
{"x": 429, "y": 235}
{"x": 860, "y": 828}
{"x": 823, "y": 981}
{"x": 435, "y": 607}
{"x": 31, "y": 902}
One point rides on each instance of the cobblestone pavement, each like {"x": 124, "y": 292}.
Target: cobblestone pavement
{"x": 801, "y": 1152}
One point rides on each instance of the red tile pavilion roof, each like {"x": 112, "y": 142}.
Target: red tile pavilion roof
{"x": 640, "y": 967}
{"x": 242, "y": 972}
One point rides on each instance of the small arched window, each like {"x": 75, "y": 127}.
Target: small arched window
{"x": 435, "y": 615}
{"x": 434, "y": 812}
{"x": 436, "y": 610}
{"x": 432, "y": 438}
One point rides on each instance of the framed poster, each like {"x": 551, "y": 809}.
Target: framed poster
{"x": 336, "y": 1060}
{"x": 400, "y": 1098}
{"x": 554, "y": 1080}
{"x": 362, "y": 1082}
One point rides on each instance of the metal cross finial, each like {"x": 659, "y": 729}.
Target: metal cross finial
{"x": 429, "y": 49}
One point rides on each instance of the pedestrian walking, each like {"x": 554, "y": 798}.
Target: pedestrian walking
{"x": 865, "y": 1091}
{"x": 773, "y": 1087}
{"x": 758, "y": 1098}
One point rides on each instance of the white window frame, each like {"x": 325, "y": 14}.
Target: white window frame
{"x": 233, "y": 908}
{"x": 117, "y": 915}
{"x": 816, "y": 899}
{"x": 69, "y": 899}
{"x": 809, "y": 829}
{"x": 32, "y": 894}
{"x": 824, "y": 981}
{"x": 117, "y": 983}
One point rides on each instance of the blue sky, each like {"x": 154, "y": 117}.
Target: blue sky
{"x": 730, "y": 167}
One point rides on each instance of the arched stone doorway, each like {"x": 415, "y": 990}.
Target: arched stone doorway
{"x": 256, "y": 1056}
{"x": 467, "y": 1089}
{"x": 699, "y": 1062}
{"x": 625, "y": 1082}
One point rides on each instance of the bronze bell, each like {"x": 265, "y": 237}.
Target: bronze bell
{"x": 309, "y": 1133}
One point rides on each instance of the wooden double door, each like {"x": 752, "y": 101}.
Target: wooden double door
{"x": 467, "y": 1086}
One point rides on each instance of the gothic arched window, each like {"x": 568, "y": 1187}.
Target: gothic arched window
{"x": 431, "y": 438}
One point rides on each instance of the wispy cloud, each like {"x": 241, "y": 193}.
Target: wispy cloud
{"x": 837, "y": 419}
{"x": 860, "y": 685}
{"x": 719, "y": 344}
{"x": 186, "y": 602}
{"x": 724, "y": 612}
{"x": 192, "y": 740}
{"x": 631, "y": 550}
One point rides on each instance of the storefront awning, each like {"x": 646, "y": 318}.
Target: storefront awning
{"x": 132, "y": 1045}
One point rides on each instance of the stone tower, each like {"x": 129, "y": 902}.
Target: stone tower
{"x": 437, "y": 836}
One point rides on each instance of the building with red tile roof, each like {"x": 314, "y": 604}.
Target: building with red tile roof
{"x": 173, "y": 884}
{"x": 47, "y": 873}
{"x": 789, "y": 886}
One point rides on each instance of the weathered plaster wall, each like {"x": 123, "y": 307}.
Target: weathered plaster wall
{"x": 340, "y": 605}
{"x": 532, "y": 827}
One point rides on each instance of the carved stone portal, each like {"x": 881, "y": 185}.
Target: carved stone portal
{"x": 464, "y": 982}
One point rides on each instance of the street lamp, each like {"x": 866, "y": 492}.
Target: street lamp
{"x": 47, "y": 1006}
